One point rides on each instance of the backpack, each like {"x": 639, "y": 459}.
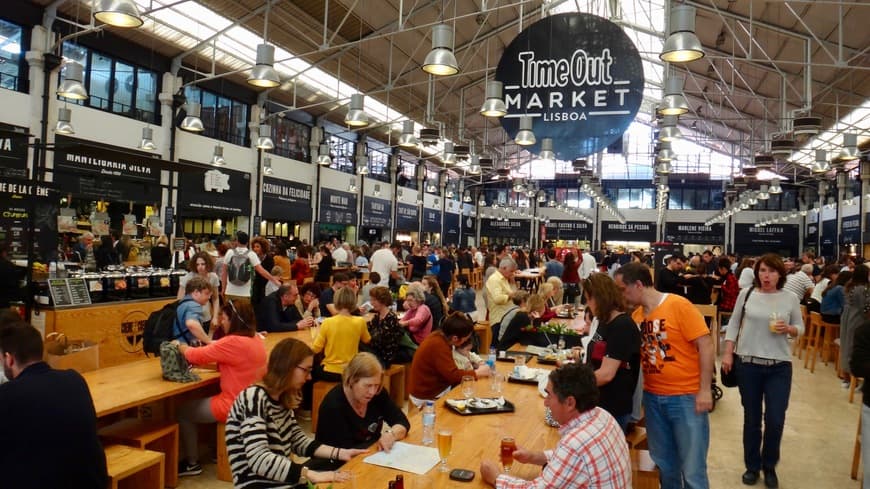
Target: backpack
{"x": 158, "y": 327}
{"x": 174, "y": 365}
{"x": 238, "y": 269}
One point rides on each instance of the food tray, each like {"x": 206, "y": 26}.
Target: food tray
{"x": 546, "y": 359}
{"x": 521, "y": 380}
{"x": 511, "y": 356}
{"x": 470, "y": 410}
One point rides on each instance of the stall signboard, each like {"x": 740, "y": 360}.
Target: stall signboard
{"x": 468, "y": 225}
{"x": 337, "y": 207}
{"x": 451, "y": 229}
{"x": 515, "y": 228}
{"x": 431, "y": 221}
{"x": 579, "y": 77}
{"x": 377, "y": 213}
{"x": 28, "y": 219}
{"x": 169, "y": 220}
{"x": 812, "y": 237}
{"x": 830, "y": 238}
{"x": 630, "y": 231}
{"x": 567, "y": 230}
{"x": 778, "y": 238}
{"x": 850, "y": 230}
{"x": 407, "y": 217}
{"x": 695, "y": 233}
{"x": 13, "y": 151}
{"x": 285, "y": 200}
{"x": 106, "y": 174}
{"x": 214, "y": 192}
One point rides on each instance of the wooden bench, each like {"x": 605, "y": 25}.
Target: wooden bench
{"x": 134, "y": 468}
{"x": 224, "y": 473}
{"x": 159, "y": 436}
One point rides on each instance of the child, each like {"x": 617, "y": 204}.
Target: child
{"x": 464, "y": 358}
{"x": 277, "y": 272}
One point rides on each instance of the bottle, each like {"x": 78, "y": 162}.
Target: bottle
{"x": 400, "y": 481}
{"x": 429, "y": 423}
{"x": 490, "y": 360}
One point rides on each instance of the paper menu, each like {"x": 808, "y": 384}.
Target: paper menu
{"x": 406, "y": 457}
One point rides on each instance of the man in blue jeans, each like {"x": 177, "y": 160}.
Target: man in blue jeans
{"x": 677, "y": 365}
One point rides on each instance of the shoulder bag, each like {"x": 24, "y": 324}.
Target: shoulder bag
{"x": 730, "y": 379}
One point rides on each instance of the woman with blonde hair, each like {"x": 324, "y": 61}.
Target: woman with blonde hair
{"x": 531, "y": 308}
{"x": 558, "y": 291}
{"x": 262, "y": 431}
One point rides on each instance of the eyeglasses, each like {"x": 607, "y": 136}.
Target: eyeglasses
{"x": 307, "y": 370}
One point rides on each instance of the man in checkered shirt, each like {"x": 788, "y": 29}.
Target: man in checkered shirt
{"x": 592, "y": 452}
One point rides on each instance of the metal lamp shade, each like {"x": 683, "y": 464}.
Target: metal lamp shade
{"x": 217, "y": 158}
{"x": 356, "y": 114}
{"x": 64, "y": 126}
{"x": 118, "y": 13}
{"x": 72, "y": 87}
{"x": 547, "y": 153}
{"x": 441, "y": 61}
{"x": 682, "y": 45}
{"x": 323, "y": 158}
{"x": 264, "y": 140}
{"x": 408, "y": 139}
{"x": 525, "y": 136}
{"x": 147, "y": 142}
{"x": 192, "y": 122}
{"x": 494, "y": 105}
{"x": 850, "y": 147}
{"x": 674, "y": 103}
{"x": 263, "y": 73}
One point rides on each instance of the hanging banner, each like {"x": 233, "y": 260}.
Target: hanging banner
{"x": 567, "y": 230}
{"x": 451, "y": 229}
{"x": 13, "y": 151}
{"x": 338, "y": 207}
{"x": 830, "y": 238}
{"x": 377, "y": 213}
{"x": 431, "y": 221}
{"x": 779, "y": 238}
{"x": 285, "y": 200}
{"x": 578, "y": 76}
{"x": 630, "y": 231}
{"x": 695, "y": 233}
{"x": 214, "y": 192}
{"x": 850, "y": 230}
{"x": 407, "y": 217}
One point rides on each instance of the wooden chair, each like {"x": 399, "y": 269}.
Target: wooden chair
{"x": 856, "y": 453}
{"x": 159, "y": 436}
{"x": 800, "y": 345}
{"x": 823, "y": 337}
{"x": 224, "y": 472}
{"x": 722, "y": 319}
{"x": 709, "y": 311}
{"x": 134, "y": 467}
{"x": 394, "y": 383}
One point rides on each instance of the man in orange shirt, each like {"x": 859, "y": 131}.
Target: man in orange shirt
{"x": 677, "y": 363}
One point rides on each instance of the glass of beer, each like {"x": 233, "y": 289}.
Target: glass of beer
{"x": 445, "y": 444}
{"x": 508, "y": 446}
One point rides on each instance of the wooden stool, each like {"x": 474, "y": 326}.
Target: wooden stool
{"x": 642, "y": 479}
{"x": 485, "y": 333}
{"x": 321, "y": 388}
{"x": 801, "y": 344}
{"x": 159, "y": 436}
{"x": 823, "y": 335}
{"x": 224, "y": 472}
{"x": 137, "y": 468}
{"x": 853, "y": 384}
{"x": 394, "y": 383}
{"x": 637, "y": 438}
{"x": 856, "y": 454}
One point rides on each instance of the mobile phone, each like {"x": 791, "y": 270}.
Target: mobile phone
{"x": 462, "y": 475}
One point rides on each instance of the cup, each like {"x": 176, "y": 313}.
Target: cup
{"x": 506, "y": 453}
{"x": 773, "y": 320}
{"x": 496, "y": 383}
{"x": 445, "y": 445}
{"x": 520, "y": 360}
{"x": 467, "y": 385}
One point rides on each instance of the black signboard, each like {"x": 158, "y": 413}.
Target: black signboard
{"x": 104, "y": 173}
{"x": 630, "y": 231}
{"x": 812, "y": 237}
{"x": 451, "y": 229}
{"x": 13, "y": 151}
{"x": 284, "y": 200}
{"x": 28, "y": 219}
{"x": 520, "y": 229}
{"x": 778, "y": 238}
{"x": 168, "y": 219}
{"x": 568, "y": 230}
{"x": 579, "y": 77}
{"x": 431, "y": 220}
{"x": 407, "y": 217}
{"x": 338, "y": 207}
{"x": 214, "y": 192}
{"x": 69, "y": 292}
{"x": 695, "y": 233}
{"x": 377, "y": 213}
{"x": 468, "y": 225}
{"x": 829, "y": 240}
{"x": 850, "y": 230}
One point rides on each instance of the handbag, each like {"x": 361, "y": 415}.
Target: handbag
{"x": 730, "y": 379}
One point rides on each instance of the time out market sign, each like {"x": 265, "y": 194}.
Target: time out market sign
{"x": 578, "y": 76}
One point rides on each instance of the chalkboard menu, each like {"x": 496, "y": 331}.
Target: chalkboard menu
{"x": 13, "y": 151}
{"x": 69, "y": 291}
{"x": 28, "y": 219}
{"x": 694, "y": 233}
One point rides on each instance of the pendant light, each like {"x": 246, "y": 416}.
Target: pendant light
{"x": 217, "y": 158}
{"x": 494, "y": 105}
{"x": 192, "y": 122}
{"x": 669, "y": 130}
{"x": 547, "y": 155}
{"x": 408, "y": 139}
{"x": 264, "y": 139}
{"x": 474, "y": 168}
{"x": 665, "y": 152}
{"x": 267, "y": 166}
{"x": 850, "y": 147}
{"x": 323, "y": 158}
{"x": 147, "y": 142}
{"x": 64, "y": 126}
{"x": 362, "y": 164}
{"x": 682, "y": 45}
{"x": 448, "y": 156}
{"x": 118, "y": 13}
{"x": 72, "y": 87}
{"x": 673, "y": 102}
{"x": 441, "y": 61}
{"x": 774, "y": 188}
{"x": 821, "y": 164}
{"x": 525, "y": 136}
{"x": 356, "y": 114}
{"x": 263, "y": 73}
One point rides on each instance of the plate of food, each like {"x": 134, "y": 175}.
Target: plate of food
{"x": 480, "y": 405}
{"x": 548, "y": 359}
{"x": 511, "y": 356}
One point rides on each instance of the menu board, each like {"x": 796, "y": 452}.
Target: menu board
{"x": 69, "y": 291}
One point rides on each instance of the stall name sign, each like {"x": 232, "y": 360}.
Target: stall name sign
{"x": 579, "y": 77}
{"x": 767, "y": 230}
{"x": 108, "y": 167}
{"x": 506, "y": 224}
{"x": 23, "y": 189}
{"x": 407, "y": 211}
{"x": 377, "y": 207}
{"x": 287, "y": 191}
{"x": 628, "y": 226}
{"x": 694, "y": 228}
{"x": 215, "y": 181}
{"x": 339, "y": 200}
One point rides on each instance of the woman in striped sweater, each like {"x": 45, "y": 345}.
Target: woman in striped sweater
{"x": 262, "y": 430}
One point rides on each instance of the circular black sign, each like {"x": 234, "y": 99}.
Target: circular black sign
{"x": 579, "y": 76}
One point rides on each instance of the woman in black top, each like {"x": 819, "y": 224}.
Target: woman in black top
{"x": 416, "y": 264}
{"x": 385, "y": 330}
{"x": 614, "y": 351}
{"x": 161, "y": 257}
{"x": 529, "y": 314}
{"x": 358, "y": 413}
{"x": 324, "y": 267}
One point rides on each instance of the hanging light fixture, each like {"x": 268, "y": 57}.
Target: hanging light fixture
{"x": 494, "y": 105}
{"x": 323, "y": 158}
{"x": 525, "y": 136}
{"x": 821, "y": 164}
{"x": 665, "y": 152}
{"x": 267, "y": 166}
{"x": 664, "y": 168}
{"x": 669, "y": 130}
{"x": 217, "y": 159}
{"x": 519, "y": 185}
{"x": 774, "y": 188}
{"x": 542, "y": 197}
{"x": 467, "y": 197}
{"x": 408, "y": 139}
{"x": 118, "y": 13}
{"x": 351, "y": 187}
{"x": 64, "y": 126}
{"x": 72, "y": 87}
{"x": 448, "y": 156}
{"x": 441, "y": 61}
{"x": 264, "y": 140}
{"x": 850, "y": 147}
{"x": 192, "y": 122}
{"x": 356, "y": 114}
{"x": 673, "y": 102}
{"x": 147, "y": 142}
{"x": 547, "y": 155}
{"x": 764, "y": 192}
{"x": 474, "y": 168}
{"x": 362, "y": 164}
{"x": 682, "y": 45}
{"x": 263, "y": 73}
{"x": 481, "y": 201}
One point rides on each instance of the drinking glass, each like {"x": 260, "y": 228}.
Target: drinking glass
{"x": 313, "y": 331}
{"x": 519, "y": 360}
{"x": 773, "y": 319}
{"x": 445, "y": 444}
{"x": 508, "y": 447}
{"x": 496, "y": 383}
{"x": 467, "y": 386}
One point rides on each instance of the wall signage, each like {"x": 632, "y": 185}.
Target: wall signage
{"x": 630, "y": 231}
{"x": 13, "y": 151}
{"x": 828, "y": 246}
{"x": 695, "y": 233}
{"x": 215, "y": 181}
{"x": 286, "y": 200}
{"x": 338, "y": 207}
{"x": 580, "y": 78}
{"x": 431, "y": 221}
{"x": 515, "y": 228}
{"x": 28, "y": 219}
{"x": 780, "y": 238}
{"x": 407, "y": 217}
{"x": 568, "y": 230}
{"x": 377, "y": 213}
{"x": 451, "y": 229}
{"x": 850, "y": 230}
{"x": 226, "y": 192}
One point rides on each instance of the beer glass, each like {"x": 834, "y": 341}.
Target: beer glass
{"x": 445, "y": 444}
{"x": 508, "y": 446}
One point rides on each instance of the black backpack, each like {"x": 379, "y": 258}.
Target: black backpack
{"x": 238, "y": 268}
{"x": 158, "y": 327}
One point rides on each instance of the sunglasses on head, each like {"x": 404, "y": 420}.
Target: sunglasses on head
{"x": 236, "y": 312}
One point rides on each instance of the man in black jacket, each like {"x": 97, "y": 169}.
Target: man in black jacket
{"x": 49, "y": 427}
{"x": 277, "y": 312}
